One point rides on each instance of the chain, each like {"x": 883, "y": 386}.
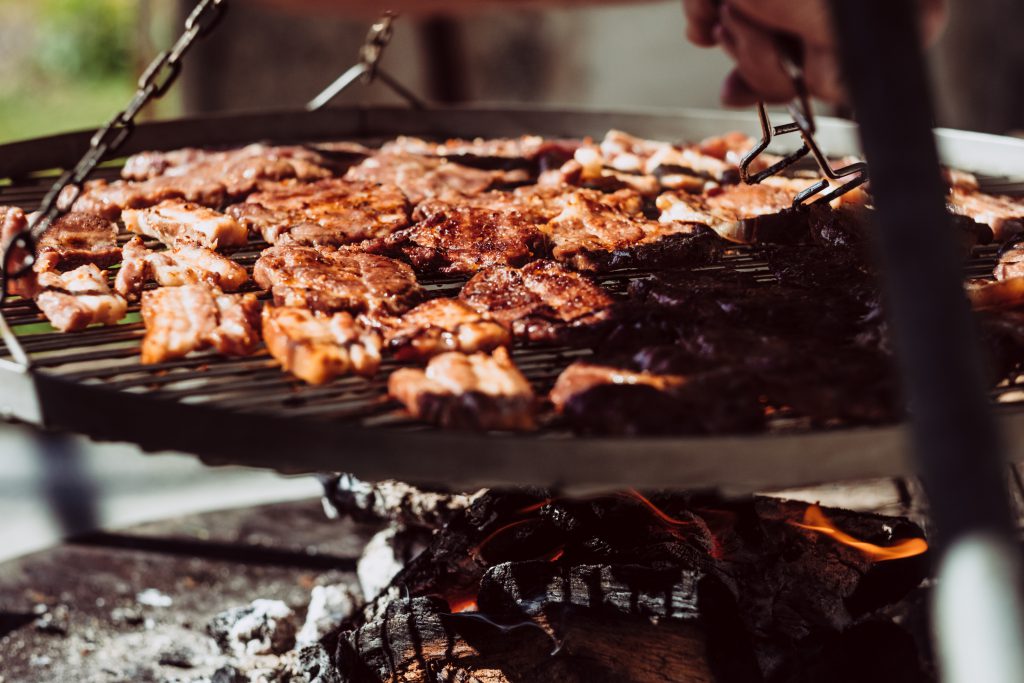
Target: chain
{"x": 154, "y": 82}
{"x": 377, "y": 38}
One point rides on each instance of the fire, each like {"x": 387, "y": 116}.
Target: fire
{"x": 815, "y": 520}
{"x": 468, "y": 605}
{"x": 497, "y": 532}
{"x": 658, "y": 512}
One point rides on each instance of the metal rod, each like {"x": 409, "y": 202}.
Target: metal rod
{"x": 957, "y": 448}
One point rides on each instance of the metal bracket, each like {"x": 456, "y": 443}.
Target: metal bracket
{"x": 368, "y": 69}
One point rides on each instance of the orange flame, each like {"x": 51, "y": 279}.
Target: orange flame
{"x": 497, "y": 532}
{"x": 815, "y": 520}
{"x": 658, "y": 512}
{"x": 468, "y": 605}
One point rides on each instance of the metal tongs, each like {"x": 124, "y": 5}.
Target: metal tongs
{"x": 803, "y": 123}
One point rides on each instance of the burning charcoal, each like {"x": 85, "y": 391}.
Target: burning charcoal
{"x": 385, "y": 556}
{"x": 228, "y": 674}
{"x": 178, "y": 656}
{"x": 329, "y": 607}
{"x": 263, "y": 627}
{"x": 314, "y": 665}
{"x": 392, "y": 501}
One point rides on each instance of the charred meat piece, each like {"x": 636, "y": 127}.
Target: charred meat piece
{"x": 110, "y": 200}
{"x": 1004, "y": 215}
{"x": 1010, "y": 263}
{"x": 325, "y": 213}
{"x": 175, "y": 223}
{"x": 317, "y": 347}
{"x": 423, "y": 177}
{"x": 238, "y": 171}
{"x": 542, "y": 302}
{"x": 1002, "y": 294}
{"x": 180, "y": 320}
{"x": 441, "y": 325}
{"x": 479, "y": 391}
{"x": 78, "y": 298}
{"x": 337, "y": 280}
{"x": 181, "y": 265}
{"x": 453, "y": 239}
{"x": 596, "y": 232}
{"x": 600, "y": 399}
{"x": 76, "y": 239}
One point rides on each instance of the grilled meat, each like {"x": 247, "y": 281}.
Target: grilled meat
{"x": 1003, "y": 294}
{"x": 76, "y": 239}
{"x": 325, "y": 213}
{"x": 479, "y": 391}
{"x": 337, "y": 280}
{"x": 180, "y": 320}
{"x": 596, "y": 232}
{"x": 1004, "y": 215}
{"x": 182, "y": 265}
{"x": 441, "y": 325}
{"x": 78, "y": 298}
{"x": 177, "y": 223}
{"x": 453, "y": 239}
{"x": 1010, "y": 263}
{"x": 524, "y": 147}
{"x": 423, "y": 177}
{"x": 110, "y": 200}
{"x": 542, "y": 302}
{"x": 602, "y": 399}
{"x": 317, "y": 347}
{"x": 238, "y": 171}
{"x": 12, "y": 222}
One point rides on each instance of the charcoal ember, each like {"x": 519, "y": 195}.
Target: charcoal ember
{"x": 262, "y": 627}
{"x": 313, "y": 664}
{"x": 329, "y": 607}
{"x": 229, "y": 674}
{"x": 392, "y": 501}
{"x": 387, "y": 553}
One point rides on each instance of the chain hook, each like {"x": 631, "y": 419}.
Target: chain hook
{"x": 377, "y": 38}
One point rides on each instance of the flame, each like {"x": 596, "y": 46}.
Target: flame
{"x": 658, "y": 512}
{"x": 815, "y": 520}
{"x": 467, "y": 605}
{"x": 497, "y": 532}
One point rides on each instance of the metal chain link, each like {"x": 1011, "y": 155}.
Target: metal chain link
{"x": 377, "y": 38}
{"x": 153, "y": 84}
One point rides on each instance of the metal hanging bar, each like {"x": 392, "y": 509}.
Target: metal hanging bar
{"x": 19, "y": 252}
{"x": 368, "y": 70}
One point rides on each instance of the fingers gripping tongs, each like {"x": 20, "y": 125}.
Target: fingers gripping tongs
{"x": 838, "y": 181}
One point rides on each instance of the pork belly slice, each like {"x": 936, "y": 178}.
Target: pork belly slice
{"x": 238, "y": 171}
{"x": 596, "y": 232}
{"x": 1005, "y": 215}
{"x": 453, "y": 239}
{"x": 325, "y": 213}
{"x": 110, "y": 200}
{"x": 542, "y": 302}
{"x": 479, "y": 392}
{"x": 489, "y": 152}
{"x": 442, "y": 325}
{"x": 176, "y": 223}
{"x": 337, "y": 280}
{"x": 76, "y": 239}
{"x": 611, "y": 400}
{"x": 317, "y": 347}
{"x": 78, "y": 298}
{"x": 1010, "y": 263}
{"x": 12, "y": 222}
{"x": 423, "y": 177}
{"x": 182, "y": 265}
{"x": 180, "y": 320}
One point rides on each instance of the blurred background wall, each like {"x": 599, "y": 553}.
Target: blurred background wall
{"x": 68, "y": 63}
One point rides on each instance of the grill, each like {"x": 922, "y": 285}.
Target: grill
{"x": 246, "y": 411}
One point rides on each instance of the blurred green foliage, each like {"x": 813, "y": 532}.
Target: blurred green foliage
{"x": 85, "y": 39}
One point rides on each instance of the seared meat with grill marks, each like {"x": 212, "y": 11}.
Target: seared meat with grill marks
{"x": 181, "y": 265}
{"x": 12, "y": 222}
{"x": 1004, "y": 215}
{"x": 526, "y": 147}
{"x": 453, "y": 239}
{"x": 110, "y": 200}
{"x": 541, "y": 302}
{"x": 317, "y": 347}
{"x": 537, "y": 204}
{"x": 325, "y": 213}
{"x": 423, "y": 177}
{"x": 441, "y": 325}
{"x": 239, "y": 171}
{"x": 601, "y": 399}
{"x": 180, "y": 320}
{"x": 76, "y": 239}
{"x": 598, "y": 232}
{"x": 177, "y": 223}
{"x": 337, "y": 280}
{"x": 479, "y": 391}
{"x": 1010, "y": 263}
{"x": 78, "y": 298}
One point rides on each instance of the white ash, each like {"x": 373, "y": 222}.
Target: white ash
{"x": 329, "y": 606}
{"x": 392, "y": 500}
{"x": 262, "y": 627}
{"x": 385, "y": 555}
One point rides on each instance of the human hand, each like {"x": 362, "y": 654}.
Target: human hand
{"x": 748, "y": 31}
